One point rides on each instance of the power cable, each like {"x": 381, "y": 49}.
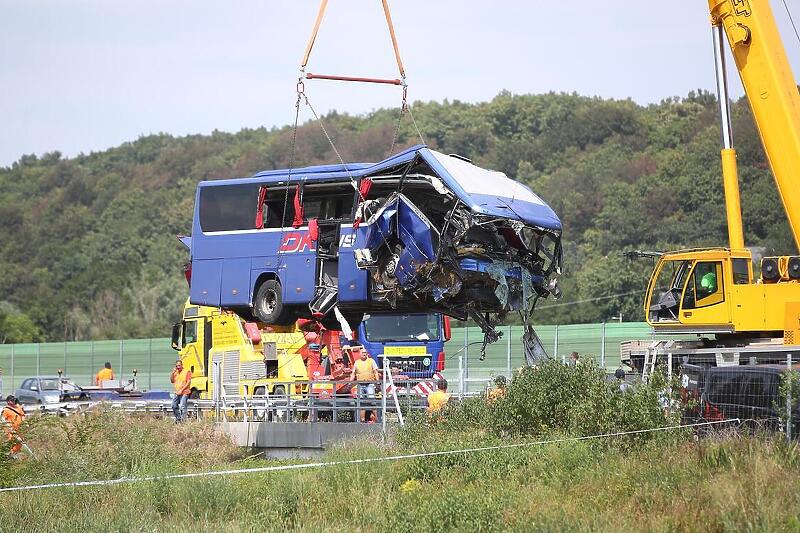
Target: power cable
{"x": 788, "y": 12}
{"x": 587, "y": 300}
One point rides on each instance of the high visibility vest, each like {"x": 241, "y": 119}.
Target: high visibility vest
{"x": 182, "y": 383}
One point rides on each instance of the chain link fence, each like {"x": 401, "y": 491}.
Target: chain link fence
{"x": 465, "y": 371}
{"x": 764, "y": 397}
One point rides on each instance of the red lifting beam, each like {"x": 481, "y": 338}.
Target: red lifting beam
{"x": 311, "y": 76}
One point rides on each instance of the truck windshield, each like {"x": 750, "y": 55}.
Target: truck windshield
{"x": 388, "y": 328}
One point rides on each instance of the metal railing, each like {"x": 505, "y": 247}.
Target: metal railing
{"x": 299, "y": 401}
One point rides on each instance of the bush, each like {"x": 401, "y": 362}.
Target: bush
{"x": 555, "y": 399}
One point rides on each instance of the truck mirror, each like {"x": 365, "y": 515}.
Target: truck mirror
{"x": 177, "y": 334}
{"x": 448, "y": 332}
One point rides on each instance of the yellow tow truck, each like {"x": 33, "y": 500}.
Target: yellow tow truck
{"x": 251, "y": 360}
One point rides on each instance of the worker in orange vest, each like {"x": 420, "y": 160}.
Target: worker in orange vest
{"x": 438, "y": 398}
{"x": 105, "y": 374}
{"x": 181, "y": 378}
{"x": 13, "y": 415}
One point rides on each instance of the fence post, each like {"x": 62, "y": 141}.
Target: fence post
{"x": 150, "y": 365}
{"x": 603, "y": 346}
{"x": 461, "y": 369}
{"x": 38, "y": 359}
{"x": 669, "y": 367}
{"x": 466, "y": 352}
{"x": 555, "y": 345}
{"x": 790, "y": 379}
{"x": 121, "y": 369}
{"x": 508, "y": 359}
{"x": 383, "y": 396}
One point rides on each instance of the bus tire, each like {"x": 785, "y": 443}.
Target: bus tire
{"x": 268, "y": 302}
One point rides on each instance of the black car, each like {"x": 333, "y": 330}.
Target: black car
{"x": 753, "y": 394}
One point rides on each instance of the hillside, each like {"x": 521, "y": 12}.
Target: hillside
{"x": 89, "y": 249}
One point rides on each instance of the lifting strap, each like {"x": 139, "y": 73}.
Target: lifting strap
{"x": 311, "y": 40}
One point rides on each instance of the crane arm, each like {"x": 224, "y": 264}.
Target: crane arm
{"x": 771, "y": 90}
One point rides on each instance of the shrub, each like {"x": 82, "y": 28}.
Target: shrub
{"x": 555, "y": 399}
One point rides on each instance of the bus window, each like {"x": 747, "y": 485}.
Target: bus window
{"x": 223, "y": 208}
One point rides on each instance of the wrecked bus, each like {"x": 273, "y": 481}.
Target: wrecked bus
{"x": 418, "y": 232}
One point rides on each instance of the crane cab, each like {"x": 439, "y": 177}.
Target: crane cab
{"x": 714, "y": 291}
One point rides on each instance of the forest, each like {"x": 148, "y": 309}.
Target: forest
{"x": 89, "y": 248}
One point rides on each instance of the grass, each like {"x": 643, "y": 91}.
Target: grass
{"x": 662, "y": 482}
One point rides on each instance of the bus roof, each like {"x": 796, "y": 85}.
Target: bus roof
{"x": 486, "y": 191}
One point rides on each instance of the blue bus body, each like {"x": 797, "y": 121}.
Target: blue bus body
{"x": 419, "y": 232}
{"x": 414, "y": 343}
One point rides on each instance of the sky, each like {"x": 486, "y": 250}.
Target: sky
{"x": 84, "y": 75}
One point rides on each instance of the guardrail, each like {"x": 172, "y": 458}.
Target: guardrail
{"x": 300, "y": 401}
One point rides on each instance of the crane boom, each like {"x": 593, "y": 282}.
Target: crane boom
{"x": 771, "y": 90}
{"x": 713, "y": 291}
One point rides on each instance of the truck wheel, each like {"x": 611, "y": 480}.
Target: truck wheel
{"x": 260, "y": 412}
{"x": 279, "y": 393}
{"x": 268, "y": 303}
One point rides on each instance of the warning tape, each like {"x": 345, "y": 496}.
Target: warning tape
{"x": 262, "y": 469}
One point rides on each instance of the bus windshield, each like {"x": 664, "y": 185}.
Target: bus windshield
{"x": 402, "y": 328}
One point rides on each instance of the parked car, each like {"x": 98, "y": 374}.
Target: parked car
{"x": 753, "y": 394}
{"x": 49, "y": 389}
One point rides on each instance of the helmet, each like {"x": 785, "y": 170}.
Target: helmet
{"x": 619, "y": 373}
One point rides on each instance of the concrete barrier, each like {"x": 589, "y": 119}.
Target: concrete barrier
{"x": 295, "y": 439}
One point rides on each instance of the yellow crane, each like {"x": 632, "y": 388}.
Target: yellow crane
{"x": 714, "y": 291}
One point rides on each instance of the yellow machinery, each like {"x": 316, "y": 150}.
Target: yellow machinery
{"x": 251, "y": 361}
{"x": 715, "y": 291}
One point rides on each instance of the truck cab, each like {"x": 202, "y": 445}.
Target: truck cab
{"x": 714, "y": 291}
{"x": 413, "y": 342}
{"x": 253, "y": 361}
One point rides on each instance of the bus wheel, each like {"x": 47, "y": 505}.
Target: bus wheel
{"x": 268, "y": 304}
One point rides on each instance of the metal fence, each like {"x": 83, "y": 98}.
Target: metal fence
{"x": 464, "y": 369}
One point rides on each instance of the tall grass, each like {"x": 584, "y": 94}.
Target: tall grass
{"x": 659, "y": 482}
